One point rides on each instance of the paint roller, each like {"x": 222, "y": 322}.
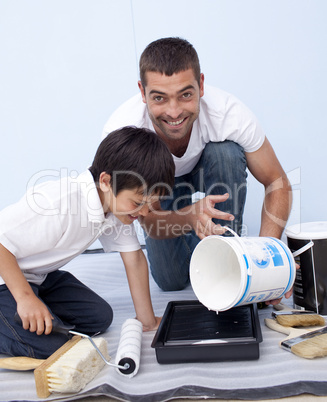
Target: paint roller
{"x": 85, "y": 361}
{"x": 128, "y": 354}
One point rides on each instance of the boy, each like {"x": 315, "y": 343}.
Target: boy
{"x": 57, "y": 221}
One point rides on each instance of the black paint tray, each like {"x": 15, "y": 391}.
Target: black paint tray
{"x": 190, "y": 333}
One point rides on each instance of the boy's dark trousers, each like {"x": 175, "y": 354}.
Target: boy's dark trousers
{"x": 69, "y": 301}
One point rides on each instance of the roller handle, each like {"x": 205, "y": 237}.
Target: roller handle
{"x": 57, "y": 326}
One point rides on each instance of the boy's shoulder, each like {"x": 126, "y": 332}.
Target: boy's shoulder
{"x": 60, "y": 194}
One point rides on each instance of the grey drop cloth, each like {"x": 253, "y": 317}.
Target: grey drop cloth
{"x": 276, "y": 374}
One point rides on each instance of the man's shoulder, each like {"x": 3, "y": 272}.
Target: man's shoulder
{"x": 216, "y": 97}
{"x": 222, "y": 104}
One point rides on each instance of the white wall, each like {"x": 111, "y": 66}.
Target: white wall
{"x": 65, "y": 65}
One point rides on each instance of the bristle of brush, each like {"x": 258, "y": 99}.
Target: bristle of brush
{"x": 73, "y": 369}
{"x": 311, "y": 348}
{"x": 301, "y": 320}
{"x": 77, "y": 367}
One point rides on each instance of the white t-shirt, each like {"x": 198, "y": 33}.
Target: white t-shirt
{"x": 222, "y": 117}
{"x": 56, "y": 221}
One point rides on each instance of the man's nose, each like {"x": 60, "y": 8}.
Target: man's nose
{"x": 174, "y": 109}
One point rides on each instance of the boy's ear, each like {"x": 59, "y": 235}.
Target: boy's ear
{"x": 142, "y": 89}
{"x": 104, "y": 182}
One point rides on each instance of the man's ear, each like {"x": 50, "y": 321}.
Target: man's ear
{"x": 201, "y": 84}
{"x": 104, "y": 182}
{"x": 142, "y": 89}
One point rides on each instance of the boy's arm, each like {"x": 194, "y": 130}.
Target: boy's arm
{"x": 34, "y": 314}
{"x": 137, "y": 273}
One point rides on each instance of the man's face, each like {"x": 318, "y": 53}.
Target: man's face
{"x": 173, "y": 103}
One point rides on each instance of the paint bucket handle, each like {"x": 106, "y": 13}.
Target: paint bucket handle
{"x": 295, "y": 253}
{"x": 232, "y": 231}
{"x": 303, "y": 249}
{"x": 238, "y": 238}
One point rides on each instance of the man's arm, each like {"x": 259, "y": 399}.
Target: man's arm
{"x": 265, "y": 167}
{"x": 34, "y": 314}
{"x": 137, "y": 273}
{"x": 160, "y": 224}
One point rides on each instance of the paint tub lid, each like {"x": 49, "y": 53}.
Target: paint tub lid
{"x": 307, "y": 231}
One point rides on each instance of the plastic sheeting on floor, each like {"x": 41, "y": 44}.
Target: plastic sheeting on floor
{"x": 276, "y": 374}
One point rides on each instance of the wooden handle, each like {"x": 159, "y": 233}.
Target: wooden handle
{"x": 273, "y": 324}
{"x": 20, "y": 363}
{"x": 290, "y": 331}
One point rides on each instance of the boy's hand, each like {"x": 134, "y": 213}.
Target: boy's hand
{"x": 153, "y": 327}
{"x": 35, "y": 316}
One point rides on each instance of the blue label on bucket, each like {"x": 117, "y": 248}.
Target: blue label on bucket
{"x": 270, "y": 252}
{"x": 290, "y": 262}
{"x": 275, "y": 254}
{"x": 262, "y": 262}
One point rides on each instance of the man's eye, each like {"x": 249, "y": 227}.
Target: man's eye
{"x": 158, "y": 98}
{"x": 187, "y": 95}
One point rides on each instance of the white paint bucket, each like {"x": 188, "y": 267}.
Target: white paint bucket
{"x": 231, "y": 271}
{"x": 310, "y": 286}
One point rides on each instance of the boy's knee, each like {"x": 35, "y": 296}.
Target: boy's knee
{"x": 104, "y": 317}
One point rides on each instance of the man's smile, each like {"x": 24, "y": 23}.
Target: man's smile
{"x": 175, "y": 123}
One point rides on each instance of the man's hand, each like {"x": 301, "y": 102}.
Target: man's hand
{"x": 204, "y": 211}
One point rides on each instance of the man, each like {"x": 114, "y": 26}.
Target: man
{"x": 213, "y": 138}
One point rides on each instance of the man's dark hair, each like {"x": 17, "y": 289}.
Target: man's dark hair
{"x": 169, "y": 56}
{"x": 135, "y": 158}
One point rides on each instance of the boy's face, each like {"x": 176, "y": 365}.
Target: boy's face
{"x": 127, "y": 205}
{"x": 173, "y": 103}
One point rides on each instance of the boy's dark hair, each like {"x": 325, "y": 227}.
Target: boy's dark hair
{"x": 169, "y": 56}
{"x": 135, "y": 158}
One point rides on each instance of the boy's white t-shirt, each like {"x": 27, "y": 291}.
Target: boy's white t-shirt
{"x": 56, "y": 221}
{"x": 222, "y": 117}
